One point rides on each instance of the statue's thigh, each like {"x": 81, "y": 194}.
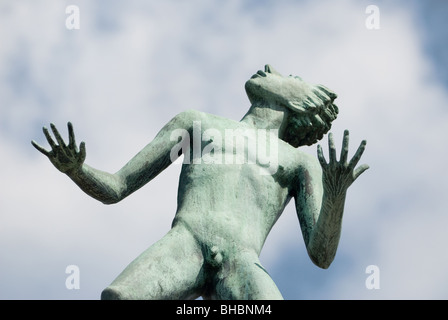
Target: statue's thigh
{"x": 169, "y": 269}
{"x": 244, "y": 278}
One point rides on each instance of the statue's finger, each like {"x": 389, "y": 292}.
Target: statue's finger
{"x": 332, "y": 148}
{"x": 359, "y": 171}
{"x": 82, "y": 151}
{"x": 357, "y": 155}
{"x": 320, "y": 156}
{"x": 71, "y": 137}
{"x": 57, "y": 135}
{"x": 344, "y": 150}
{"x": 39, "y": 148}
{"x": 49, "y": 138}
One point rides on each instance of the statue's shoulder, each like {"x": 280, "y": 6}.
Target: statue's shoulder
{"x": 192, "y": 118}
{"x": 305, "y": 161}
{"x": 192, "y": 115}
{"x": 213, "y": 121}
{"x": 201, "y": 115}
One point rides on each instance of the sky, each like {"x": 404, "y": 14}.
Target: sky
{"x": 132, "y": 66}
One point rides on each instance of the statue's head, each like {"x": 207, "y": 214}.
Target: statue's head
{"x": 311, "y": 106}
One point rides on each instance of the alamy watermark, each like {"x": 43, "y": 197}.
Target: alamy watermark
{"x": 73, "y": 280}
{"x": 373, "y": 20}
{"x": 373, "y": 280}
{"x": 231, "y": 146}
{"x": 73, "y": 20}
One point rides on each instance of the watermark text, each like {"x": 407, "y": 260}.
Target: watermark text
{"x": 373, "y": 20}
{"x": 72, "y": 22}
{"x": 373, "y": 280}
{"x": 72, "y": 281}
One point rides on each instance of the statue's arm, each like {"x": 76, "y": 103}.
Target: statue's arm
{"x": 107, "y": 187}
{"x": 320, "y": 200}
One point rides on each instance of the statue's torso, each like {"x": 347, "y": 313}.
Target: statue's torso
{"x": 227, "y": 203}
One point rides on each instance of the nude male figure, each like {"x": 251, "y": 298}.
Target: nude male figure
{"x": 226, "y": 210}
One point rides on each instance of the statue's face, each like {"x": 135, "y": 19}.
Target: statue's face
{"x": 270, "y": 86}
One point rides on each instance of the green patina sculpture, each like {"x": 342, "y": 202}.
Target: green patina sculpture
{"x": 229, "y": 198}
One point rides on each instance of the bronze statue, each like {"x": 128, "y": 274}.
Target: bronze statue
{"x": 226, "y": 208}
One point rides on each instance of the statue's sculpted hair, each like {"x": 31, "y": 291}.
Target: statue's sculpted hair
{"x": 312, "y": 118}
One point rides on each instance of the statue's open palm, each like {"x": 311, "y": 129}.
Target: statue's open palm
{"x": 339, "y": 175}
{"x": 65, "y": 157}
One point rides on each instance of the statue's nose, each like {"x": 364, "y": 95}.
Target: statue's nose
{"x": 268, "y": 68}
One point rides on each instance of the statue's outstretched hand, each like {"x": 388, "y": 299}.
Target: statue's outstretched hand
{"x": 338, "y": 176}
{"x": 65, "y": 157}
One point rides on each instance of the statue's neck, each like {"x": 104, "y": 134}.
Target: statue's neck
{"x": 266, "y": 117}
